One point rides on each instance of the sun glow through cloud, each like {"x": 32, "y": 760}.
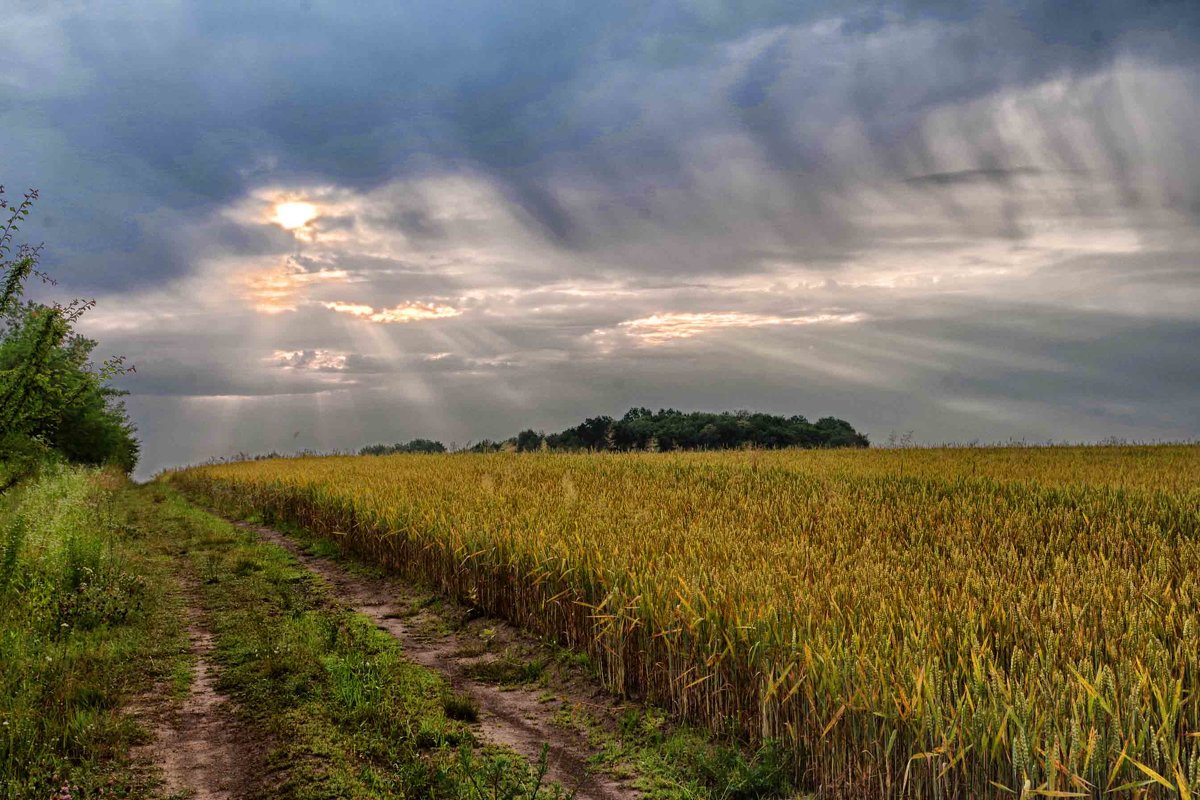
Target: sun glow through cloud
{"x": 295, "y": 214}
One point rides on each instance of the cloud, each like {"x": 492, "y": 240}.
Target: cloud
{"x": 974, "y": 221}
{"x": 282, "y": 288}
{"x": 405, "y": 312}
{"x": 993, "y": 175}
{"x": 319, "y": 360}
{"x": 667, "y": 326}
{"x": 584, "y": 121}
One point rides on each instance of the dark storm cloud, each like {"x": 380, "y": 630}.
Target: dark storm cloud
{"x": 997, "y": 199}
{"x": 187, "y": 107}
{"x": 995, "y": 175}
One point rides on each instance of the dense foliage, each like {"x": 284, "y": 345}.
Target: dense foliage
{"x": 668, "y": 429}
{"x": 908, "y": 623}
{"x": 85, "y": 625}
{"x": 414, "y": 446}
{"x": 54, "y": 401}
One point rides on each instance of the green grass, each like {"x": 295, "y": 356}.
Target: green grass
{"x": 508, "y": 670}
{"x": 461, "y": 707}
{"x": 666, "y": 761}
{"x": 344, "y": 713}
{"x": 89, "y": 620}
{"x": 92, "y": 619}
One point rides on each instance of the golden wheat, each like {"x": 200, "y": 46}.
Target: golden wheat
{"x": 926, "y": 623}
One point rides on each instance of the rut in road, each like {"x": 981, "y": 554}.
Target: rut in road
{"x": 516, "y": 718}
{"x": 201, "y": 749}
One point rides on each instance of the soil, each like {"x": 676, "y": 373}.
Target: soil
{"x": 201, "y": 749}
{"x": 455, "y": 641}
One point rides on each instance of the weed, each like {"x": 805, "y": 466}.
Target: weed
{"x": 86, "y": 621}
{"x": 14, "y": 537}
{"x": 460, "y": 706}
{"x": 504, "y": 778}
{"x": 507, "y": 670}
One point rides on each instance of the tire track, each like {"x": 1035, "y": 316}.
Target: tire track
{"x": 200, "y": 748}
{"x": 515, "y": 718}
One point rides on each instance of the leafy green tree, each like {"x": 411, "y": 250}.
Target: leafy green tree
{"x": 54, "y": 401}
{"x": 529, "y": 441}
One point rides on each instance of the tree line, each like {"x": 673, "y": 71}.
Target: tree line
{"x": 56, "y": 403}
{"x": 669, "y": 429}
{"x": 665, "y": 429}
{"x": 414, "y": 446}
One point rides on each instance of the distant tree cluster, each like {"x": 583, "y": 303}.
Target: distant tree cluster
{"x": 414, "y": 446}
{"x": 668, "y": 429}
{"x": 55, "y": 402}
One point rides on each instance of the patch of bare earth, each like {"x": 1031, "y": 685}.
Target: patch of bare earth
{"x": 199, "y": 748}
{"x": 444, "y": 638}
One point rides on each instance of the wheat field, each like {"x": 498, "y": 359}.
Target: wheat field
{"x": 954, "y": 623}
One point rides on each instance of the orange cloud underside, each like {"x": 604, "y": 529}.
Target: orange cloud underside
{"x": 278, "y": 290}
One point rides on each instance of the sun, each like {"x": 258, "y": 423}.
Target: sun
{"x": 294, "y": 214}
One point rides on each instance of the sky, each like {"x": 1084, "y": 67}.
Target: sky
{"x": 327, "y": 224}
